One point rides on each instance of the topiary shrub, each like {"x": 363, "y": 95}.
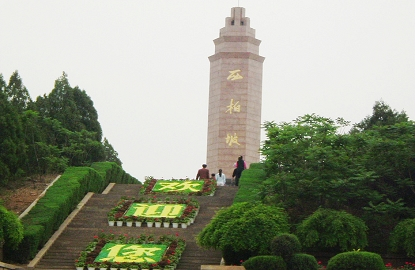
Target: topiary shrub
{"x": 244, "y": 228}
{"x": 356, "y": 260}
{"x": 301, "y": 261}
{"x": 328, "y": 229}
{"x": 265, "y": 263}
{"x": 285, "y": 245}
{"x": 11, "y": 229}
{"x": 402, "y": 238}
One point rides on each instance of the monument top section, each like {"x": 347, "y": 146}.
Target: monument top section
{"x": 237, "y": 24}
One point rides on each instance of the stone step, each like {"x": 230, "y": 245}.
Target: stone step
{"x": 92, "y": 219}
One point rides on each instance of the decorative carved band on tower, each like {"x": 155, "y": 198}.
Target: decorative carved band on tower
{"x": 235, "y": 95}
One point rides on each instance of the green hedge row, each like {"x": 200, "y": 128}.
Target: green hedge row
{"x": 249, "y": 184}
{"x": 59, "y": 201}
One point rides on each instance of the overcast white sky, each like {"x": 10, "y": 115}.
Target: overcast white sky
{"x": 145, "y": 64}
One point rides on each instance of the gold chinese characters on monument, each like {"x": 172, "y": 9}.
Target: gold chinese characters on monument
{"x": 234, "y": 75}
{"x": 233, "y": 106}
{"x": 232, "y": 139}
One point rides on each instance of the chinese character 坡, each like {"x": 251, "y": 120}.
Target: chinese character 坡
{"x": 230, "y": 140}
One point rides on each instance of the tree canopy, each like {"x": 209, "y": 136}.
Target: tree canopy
{"x": 368, "y": 171}
{"x": 57, "y": 130}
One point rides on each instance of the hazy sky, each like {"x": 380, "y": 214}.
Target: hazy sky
{"x": 145, "y": 64}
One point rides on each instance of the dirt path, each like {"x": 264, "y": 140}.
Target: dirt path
{"x": 20, "y": 195}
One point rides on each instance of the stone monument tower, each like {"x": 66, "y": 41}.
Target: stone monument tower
{"x": 235, "y": 95}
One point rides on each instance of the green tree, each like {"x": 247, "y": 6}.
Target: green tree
{"x": 110, "y": 154}
{"x": 382, "y": 115}
{"x": 244, "y": 230}
{"x": 17, "y": 93}
{"x": 12, "y": 146}
{"x": 327, "y": 229}
{"x": 310, "y": 164}
{"x": 70, "y": 106}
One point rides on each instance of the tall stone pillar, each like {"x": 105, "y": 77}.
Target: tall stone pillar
{"x": 235, "y": 95}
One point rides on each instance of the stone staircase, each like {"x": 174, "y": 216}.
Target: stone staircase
{"x": 92, "y": 219}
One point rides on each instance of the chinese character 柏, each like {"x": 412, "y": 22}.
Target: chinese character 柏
{"x": 233, "y": 107}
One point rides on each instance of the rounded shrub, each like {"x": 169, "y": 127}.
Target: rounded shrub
{"x": 356, "y": 260}
{"x": 11, "y": 229}
{"x": 301, "y": 261}
{"x": 244, "y": 228}
{"x": 402, "y": 238}
{"x": 328, "y": 229}
{"x": 285, "y": 245}
{"x": 265, "y": 263}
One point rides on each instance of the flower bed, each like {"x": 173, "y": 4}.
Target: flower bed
{"x": 149, "y": 211}
{"x": 110, "y": 251}
{"x": 205, "y": 187}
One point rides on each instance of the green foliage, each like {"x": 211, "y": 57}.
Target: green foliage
{"x": 110, "y": 154}
{"x": 46, "y": 136}
{"x": 244, "y": 227}
{"x": 249, "y": 184}
{"x": 285, "y": 245}
{"x": 327, "y": 229}
{"x": 71, "y": 106}
{"x": 356, "y": 260}
{"x": 59, "y": 201}
{"x": 311, "y": 163}
{"x": 382, "y": 115}
{"x": 265, "y": 263}
{"x": 403, "y": 238}
{"x": 17, "y": 93}
{"x": 301, "y": 261}
{"x": 12, "y": 147}
{"x": 11, "y": 229}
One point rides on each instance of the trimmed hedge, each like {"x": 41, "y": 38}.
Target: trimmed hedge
{"x": 250, "y": 183}
{"x": 356, "y": 260}
{"x": 59, "y": 201}
{"x": 285, "y": 245}
{"x": 301, "y": 261}
{"x": 265, "y": 262}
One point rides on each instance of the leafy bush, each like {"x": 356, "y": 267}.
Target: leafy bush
{"x": 402, "y": 238}
{"x": 244, "y": 227}
{"x": 301, "y": 261}
{"x": 11, "y": 229}
{"x": 327, "y": 228}
{"x": 355, "y": 260}
{"x": 285, "y": 245}
{"x": 265, "y": 263}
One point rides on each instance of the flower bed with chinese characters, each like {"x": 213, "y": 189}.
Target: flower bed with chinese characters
{"x": 110, "y": 251}
{"x": 204, "y": 187}
{"x": 151, "y": 211}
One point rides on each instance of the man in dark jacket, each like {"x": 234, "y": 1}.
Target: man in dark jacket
{"x": 203, "y": 173}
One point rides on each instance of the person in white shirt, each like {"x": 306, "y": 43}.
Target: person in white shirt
{"x": 220, "y": 178}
